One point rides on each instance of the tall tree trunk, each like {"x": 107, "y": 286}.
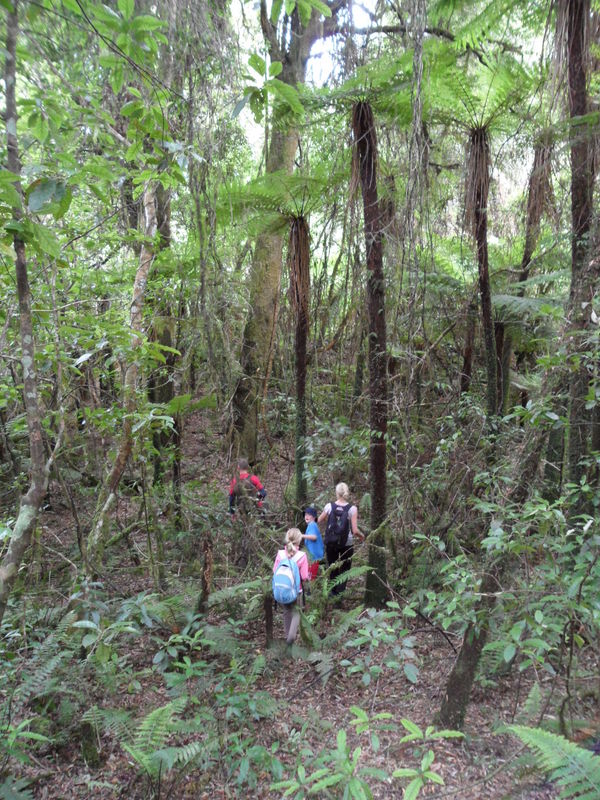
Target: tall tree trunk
{"x": 584, "y": 272}
{"x": 292, "y": 49}
{"x": 299, "y": 267}
{"x": 97, "y": 535}
{"x": 365, "y": 144}
{"x": 478, "y": 183}
{"x": 39, "y": 467}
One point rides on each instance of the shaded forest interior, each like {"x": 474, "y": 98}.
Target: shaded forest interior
{"x": 350, "y": 244}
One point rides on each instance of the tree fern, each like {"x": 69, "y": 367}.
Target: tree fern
{"x": 572, "y": 767}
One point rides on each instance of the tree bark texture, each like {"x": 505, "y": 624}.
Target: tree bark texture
{"x": 584, "y": 272}
{"x": 95, "y": 544}
{"x": 479, "y": 183}
{"x": 299, "y": 267}
{"x": 467, "y": 367}
{"x": 365, "y": 144}
{"x": 40, "y": 467}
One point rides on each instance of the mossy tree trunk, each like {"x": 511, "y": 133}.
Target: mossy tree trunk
{"x": 365, "y": 144}
{"x": 39, "y": 467}
{"x": 299, "y": 268}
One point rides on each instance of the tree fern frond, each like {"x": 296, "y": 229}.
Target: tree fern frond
{"x": 532, "y": 706}
{"x": 512, "y": 308}
{"x": 571, "y": 766}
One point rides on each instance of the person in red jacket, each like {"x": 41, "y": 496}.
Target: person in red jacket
{"x": 245, "y": 475}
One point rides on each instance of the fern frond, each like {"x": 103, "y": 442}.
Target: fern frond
{"x": 571, "y": 766}
{"x": 234, "y": 592}
{"x": 157, "y": 726}
{"x": 510, "y": 308}
{"x": 532, "y": 706}
{"x": 324, "y": 664}
{"x": 38, "y": 681}
{"x": 182, "y": 756}
{"x": 114, "y": 721}
{"x": 15, "y": 789}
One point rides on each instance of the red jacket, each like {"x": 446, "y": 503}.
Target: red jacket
{"x": 260, "y": 489}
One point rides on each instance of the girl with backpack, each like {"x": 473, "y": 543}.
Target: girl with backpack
{"x": 291, "y": 553}
{"x": 342, "y": 527}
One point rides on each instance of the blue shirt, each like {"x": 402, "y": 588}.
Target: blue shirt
{"x": 315, "y": 549}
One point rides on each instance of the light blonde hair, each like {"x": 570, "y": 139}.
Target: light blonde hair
{"x": 342, "y": 491}
{"x": 293, "y": 540}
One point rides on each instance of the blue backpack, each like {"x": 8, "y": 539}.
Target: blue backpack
{"x": 286, "y": 581}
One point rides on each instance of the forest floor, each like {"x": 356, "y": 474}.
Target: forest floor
{"x": 483, "y": 764}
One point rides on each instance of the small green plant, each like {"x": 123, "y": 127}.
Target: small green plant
{"x": 423, "y": 775}
{"x": 379, "y": 632}
{"x": 339, "y": 774}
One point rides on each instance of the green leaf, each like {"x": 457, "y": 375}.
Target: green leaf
{"x": 276, "y": 11}
{"x": 286, "y": 94}
{"x": 239, "y": 106}
{"x": 290, "y": 5}
{"x": 45, "y": 239}
{"x": 257, "y": 63}
{"x": 412, "y": 790}
{"x": 509, "y": 652}
{"x": 6, "y": 4}
{"x": 126, "y": 7}
{"x": 145, "y": 22}
{"x": 304, "y": 11}
{"x": 321, "y": 7}
{"x": 117, "y": 78}
{"x": 411, "y": 672}
{"x": 43, "y": 193}
{"x": 404, "y": 772}
{"x": 412, "y": 728}
{"x": 275, "y": 69}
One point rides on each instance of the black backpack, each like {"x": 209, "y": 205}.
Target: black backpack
{"x": 338, "y": 525}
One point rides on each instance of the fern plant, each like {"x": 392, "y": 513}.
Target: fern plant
{"x": 573, "y": 768}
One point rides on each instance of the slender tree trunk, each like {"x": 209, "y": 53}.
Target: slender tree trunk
{"x": 39, "y": 466}
{"x": 467, "y": 367}
{"x": 479, "y": 182}
{"x": 299, "y": 267}
{"x": 584, "y": 272}
{"x": 365, "y": 143}
{"x": 95, "y": 543}
{"x": 538, "y": 196}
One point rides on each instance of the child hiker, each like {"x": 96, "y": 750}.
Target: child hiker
{"x": 289, "y": 570}
{"x": 314, "y": 542}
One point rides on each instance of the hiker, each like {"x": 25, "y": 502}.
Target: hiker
{"x": 245, "y": 485}
{"x": 289, "y": 570}
{"x": 314, "y": 542}
{"x": 342, "y": 527}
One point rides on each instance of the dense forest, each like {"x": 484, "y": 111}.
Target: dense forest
{"x": 350, "y": 244}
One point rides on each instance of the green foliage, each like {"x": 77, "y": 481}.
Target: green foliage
{"x": 573, "y": 768}
{"x": 381, "y": 629}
